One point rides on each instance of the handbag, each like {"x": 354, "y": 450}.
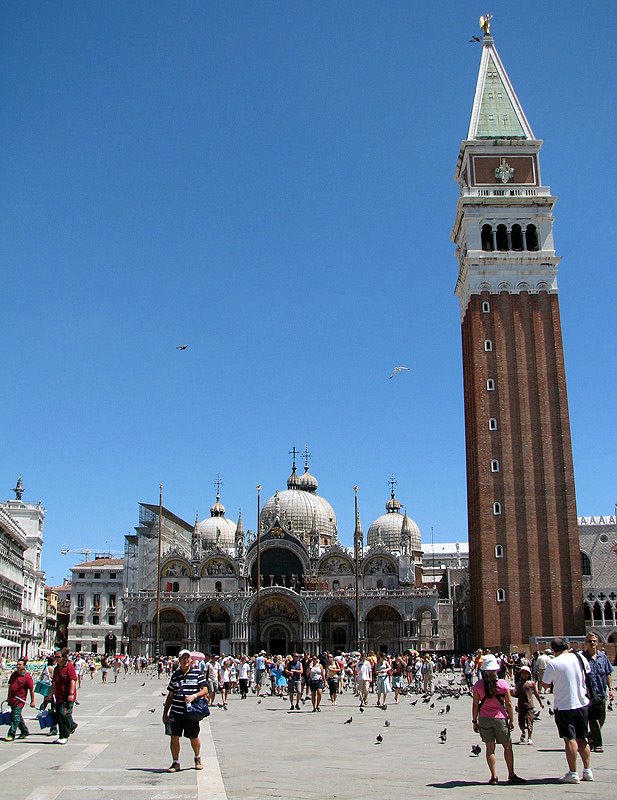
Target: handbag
{"x": 43, "y": 688}
{"x": 197, "y": 710}
{"x": 5, "y": 716}
{"x": 46, "y": 719}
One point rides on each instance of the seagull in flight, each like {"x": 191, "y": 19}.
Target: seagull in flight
{"x": 475, "y": 39}
{"x": 182, "y": 347}
{"x": 396, "y": 370}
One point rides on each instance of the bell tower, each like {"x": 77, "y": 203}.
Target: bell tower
{"x": 524, "y": 551}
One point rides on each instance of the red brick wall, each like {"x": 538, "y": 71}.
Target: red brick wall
{"x": 540, "y": 571}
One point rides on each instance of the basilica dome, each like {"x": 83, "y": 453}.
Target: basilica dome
{"x": 217, "y": 529}
{"x": 299, "y": 505}
{"x": 386, "y": 530}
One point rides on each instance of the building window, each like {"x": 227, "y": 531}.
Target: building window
{"x": 492, "y": 424}
{"x": 488, "y": 345}
{"x": 112, "y": 619}
{"x": 532, "y": 238}
{"x": 490, "y": 385}
{"x": 81, "y": 574}
{"x": 501, "y": 595}
{"x": 175, "y": 586}
{"x": 80, "y": 601}
{"x": 494, "y": 465}
{"x": 218, "y": 586}
{"x": 603, "y": 538}
{"x": 112, "y": 575}
{"x": 585, "y": 564}
{"x": 77, "y": 647}
{"x": 79, "y": 619}
{"x": 498, "y": 551}
{"x": 97, "y": 574}
{"x": 96, "y": 619}
{"x": 96, "y": 601}
{"x": 112, "y": 600}
{"x": 496, "y": 509}
{"x": 486, "y": 236}
{"x": 94, "y": 647}
{"x": 486, "y": 307}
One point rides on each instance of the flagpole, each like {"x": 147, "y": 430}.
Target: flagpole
{"x": 257, "y": 609}
{"x": 157, "y": 644}
{"x": 357, "y": 565}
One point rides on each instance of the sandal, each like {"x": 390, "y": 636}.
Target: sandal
{"x": 175, "y": 767}
{"x": 198, "y": 764}
{"x": 598, "y": 749}
{"x": 493, "y": 781}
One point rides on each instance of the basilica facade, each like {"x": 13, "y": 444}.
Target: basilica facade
{"x": 314, "y": 593}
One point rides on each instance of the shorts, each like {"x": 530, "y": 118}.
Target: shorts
{"x": 493, "y": 730}
{"x": 213, "y": 686}
{"x": 572, "y": 723}
{"x": 397, "y": 681}
{"x": 294, "y": 685}
{"x": 316, "y": 685}
{"x": 182, "y": 726}
{"x": 227, "y": 686}
{"x": 259, "y": 677}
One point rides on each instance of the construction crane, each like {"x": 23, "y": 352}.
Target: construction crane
{"x": 86, "y": 552}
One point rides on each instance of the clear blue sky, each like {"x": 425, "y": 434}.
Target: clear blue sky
{"x": 272, "y": 183}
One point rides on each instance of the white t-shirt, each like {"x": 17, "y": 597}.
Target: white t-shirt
{"x": 366, "y": 671}
{"x": 564, "y": 672}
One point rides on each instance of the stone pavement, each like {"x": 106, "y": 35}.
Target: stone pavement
{"x": 258, "y": 750}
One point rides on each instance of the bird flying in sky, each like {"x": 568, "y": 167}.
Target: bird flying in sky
{"x": 182, "y": 347}
{"x": 396, "y": 370}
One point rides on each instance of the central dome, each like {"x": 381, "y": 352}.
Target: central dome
{"x": 217, "y": 529}
{"x": 299, "y": 505}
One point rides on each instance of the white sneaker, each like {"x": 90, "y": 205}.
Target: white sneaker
{"x": 529, "y": 741}
{"x": 587, "y": 774}
{"x": 570, "y": 777}
{"x": 60, "y": 741}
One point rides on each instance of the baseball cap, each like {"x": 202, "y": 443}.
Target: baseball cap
{"x": 489, "y": 663}
{"x": 184, "y": 653}
{"x": 525, "y": 669}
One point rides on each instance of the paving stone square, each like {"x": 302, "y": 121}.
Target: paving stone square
{"x": 262, "y": 750}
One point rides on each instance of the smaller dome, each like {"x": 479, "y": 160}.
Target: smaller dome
{"x": 217, "y": 509}
{"x": 293, "y": 482}
{"x": 308, "y": 482}
{"x": 393, "y": 504}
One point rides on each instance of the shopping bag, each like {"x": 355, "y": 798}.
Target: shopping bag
{"x": 46, "y": 719}
{"x": 42, "y": 688}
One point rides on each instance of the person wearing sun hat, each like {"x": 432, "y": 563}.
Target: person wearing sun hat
{"x": 492, "y": 716}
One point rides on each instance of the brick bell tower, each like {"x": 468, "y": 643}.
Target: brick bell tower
{"x": 524, "y": 550}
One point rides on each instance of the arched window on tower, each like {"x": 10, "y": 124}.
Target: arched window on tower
{"x": 498, "y": 551}
{"x": 502, "y": 238}
{"x": 492, "y": 424}
{"x": 517, "y": 237}
{"x": 531, "y": 235}
{"x": 488, "y": 345}
{"x": 585, "y": 564}
{"x": 497, "y": 509}
{"x": 494, "y": 465}
{"x": 490, "y": 385}
{"x": 486, "y": 236}
{"x": 501, "y": 595}
{"x": 218, "y": 586}
{"x": 486, "y": 307}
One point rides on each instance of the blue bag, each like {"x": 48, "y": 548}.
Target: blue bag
{"x": 5, "y": 716}
{"x": 46, "y": 719}
{"x": 197, "y": 710}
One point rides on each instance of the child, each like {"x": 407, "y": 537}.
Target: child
{"x": 525, "y": 691}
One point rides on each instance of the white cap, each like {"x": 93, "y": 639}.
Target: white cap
{"x": 489, "y": 663}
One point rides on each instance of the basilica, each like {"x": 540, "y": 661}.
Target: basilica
{"x": 314, "y": 594}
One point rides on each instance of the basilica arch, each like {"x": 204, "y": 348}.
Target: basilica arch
{"x": 212, "y": 624}
{"x": 173, "y": 630}
{"x": 337, "y": 628}
{"x": 383, "y": 629}
{"x": 281, "y": 564}
{"x": 277, "y": 622}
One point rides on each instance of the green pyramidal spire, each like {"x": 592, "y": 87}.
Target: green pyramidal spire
{"x": 497, "y": 112}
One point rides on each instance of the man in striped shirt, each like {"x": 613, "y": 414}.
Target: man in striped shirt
{"x": 186, "y": 684}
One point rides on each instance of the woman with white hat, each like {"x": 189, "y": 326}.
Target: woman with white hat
{"x": 492, "y": 717}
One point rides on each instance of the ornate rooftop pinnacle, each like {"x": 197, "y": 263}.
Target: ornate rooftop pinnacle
{"x": 19, "y": 489}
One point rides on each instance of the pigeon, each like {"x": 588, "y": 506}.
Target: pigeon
{"x": 475, "y": 750}
{"x": 182, "y": 347}
{"x": 152, "y": 710}
{"x": 362, "y": 709}
{"x": 144, "y": 683}
{"x": 548, "y": 702}
{"x": 348, "y": 721}
{"x": 443, "y": 735}
{"x": 442, "y": 711}
{"x": 386, "y": 723}
{"x": 536, "y": 715}
{"x": 396, "y": 370}
{"x": 258, "y": 703}
{"x": 551, "y": 713}
{"x": 432, "y": 705}
{"x": 384, "y": 707}
{"x": 413, "y": 702}
{"x": 379, "y": 738}
{"x": 447, "y": 708}
{"x": 609, "y": 707}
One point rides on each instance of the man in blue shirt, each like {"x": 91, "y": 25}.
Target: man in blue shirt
{"x": 601, "y": 681}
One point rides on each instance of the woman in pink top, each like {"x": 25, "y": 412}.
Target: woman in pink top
{"x": 493, "y": 717}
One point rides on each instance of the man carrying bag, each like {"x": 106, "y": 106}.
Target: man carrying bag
{"x": 181, "y": 713}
